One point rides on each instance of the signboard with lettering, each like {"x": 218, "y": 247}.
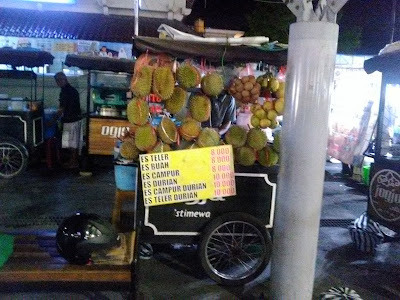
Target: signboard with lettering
{"x": 187, "y": 175}
{"x": 384, "y": 195}
{"x": 103, "y": 133}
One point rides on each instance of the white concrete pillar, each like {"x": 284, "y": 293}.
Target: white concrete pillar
{"x": 309, "y": 85}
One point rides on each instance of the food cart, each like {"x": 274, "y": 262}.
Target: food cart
{"x": 21, "y": 118}
{"x": 233, "y": 232}
{"x": 384, "y": 187}
{"x": 108, "y": 81}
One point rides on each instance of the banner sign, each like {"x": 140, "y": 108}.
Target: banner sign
{"x": 187, "y": 175}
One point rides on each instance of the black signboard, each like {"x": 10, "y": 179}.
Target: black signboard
{"x": 384, "y": 194}
{"x": 256, "y": 194}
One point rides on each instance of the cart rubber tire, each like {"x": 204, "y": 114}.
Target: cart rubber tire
{"x": 13, "y": 157}
{"x": 235, "y": 249}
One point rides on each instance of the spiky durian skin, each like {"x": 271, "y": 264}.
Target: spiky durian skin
{"x": 208, "y": 137}
{"x": 190, "y": 129}
{"x": 160, "y": 147}
{"x": 163, "y": 82}
{"x": 128, "y": 150}
{"x": 145, "y": 137}
{"x": 236, "y": 136}
{"x": 137, "y": 111}
{"x": 212, "y": 84}
{"x": 268, "y": 157}
{"x": 177, "y": 101}
{"x": 277, "y": 142}
{"x": 200, "y": 107}
{"x": 256, "y": 139}
{"x": 188, "y": 76}
{"x": 142, "y": 81}
{"x": 167, "y": 131}
{"x": 245, "y": 156}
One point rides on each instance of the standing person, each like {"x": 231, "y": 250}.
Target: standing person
{"x": 223, "y": 113}
{"x": 70, "y": 113}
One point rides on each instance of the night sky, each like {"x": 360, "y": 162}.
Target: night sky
{"x": 374, "y": 16}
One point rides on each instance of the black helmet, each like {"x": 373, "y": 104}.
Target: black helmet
{"x": 82, "y": 233}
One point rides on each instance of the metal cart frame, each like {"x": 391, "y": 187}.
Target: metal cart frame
{"x": 22, "y": 129}
{"x": 233, "y": 234}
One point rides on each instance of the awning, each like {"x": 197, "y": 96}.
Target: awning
{"x": 82, "y": 26}
{"x": 25, "y": 57}
{"x": 100, "y": 63}
{"x": 388, "y": 62}
{"x": 218, "y": 54}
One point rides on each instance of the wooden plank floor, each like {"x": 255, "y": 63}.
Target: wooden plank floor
{"x": 35, "y": 259}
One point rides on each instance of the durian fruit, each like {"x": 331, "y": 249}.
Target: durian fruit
{"x": 177, "y": 101}
{"x": 277, "y": 142}
{"x": 142, "y": 81}
{"x": 145, "y": 137}
{"x": 208, "y": 137}
{"x": 267, "y": 157}
{"x": 128, "y": 149}
{"x": 200, "y": 107}
{"x": 188, "y": 76}
{"x": 245, "y": 156}
{"x": 212, "y": 84}
{"x": 192, "y": 146}
{"x": 167, "y": 131}
{"x": 236, "y": 136}
{"x": 160, "y": 147}
{"x": 163, "y": 82}
{"x": 189, "y": 129}
{"x": 256, "y": 139}
{"x": 137, "y": 111}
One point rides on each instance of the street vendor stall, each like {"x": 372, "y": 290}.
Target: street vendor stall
{"x": 384, "y": 189}
{"x": 21, "y": 118}
{"x": 384, "y": 178}
{"x": 194, "y": 186}
{"x": 107, "y": 94}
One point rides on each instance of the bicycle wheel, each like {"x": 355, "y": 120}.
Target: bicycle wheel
{"x": 235, "y": 249}
{"x": 13, "y": 157}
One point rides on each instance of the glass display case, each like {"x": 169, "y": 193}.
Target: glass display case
{"x": 109, "y": 93}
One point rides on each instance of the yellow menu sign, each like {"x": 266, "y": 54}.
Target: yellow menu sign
{"x": 187, "y": 175}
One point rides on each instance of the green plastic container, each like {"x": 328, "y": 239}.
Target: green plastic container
{"x": 6, "y": 247}
{"x": 366, "y": 170}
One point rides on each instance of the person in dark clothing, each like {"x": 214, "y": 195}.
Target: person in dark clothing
{"x": 70, "y": 113}
{"x": 223, "y": 113}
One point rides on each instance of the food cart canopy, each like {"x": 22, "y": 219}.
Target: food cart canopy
{"x": 100, "y": 63}
{"x": 16, "y": 74}
{"x": 218, "y": 54}
{"x": 28, "y": 57}
{"x": 388, "y": 62}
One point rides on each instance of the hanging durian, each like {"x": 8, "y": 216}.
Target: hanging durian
{"x": 212, "y": 84}
{"x": 163, "y": 82}
{"x": 145, "y": 137}
{"x": 177, "y": 101}
{"x": 167, "y": 131}
{"x": 200, "y": 107}
{"x": 137, "y": 111}
{"x": 188, "y": 76}
{"x": 142, "y": 81}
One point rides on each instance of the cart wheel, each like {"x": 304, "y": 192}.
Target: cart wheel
{"x": 235, "y": 249}
{"x": 13, "y": 157}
